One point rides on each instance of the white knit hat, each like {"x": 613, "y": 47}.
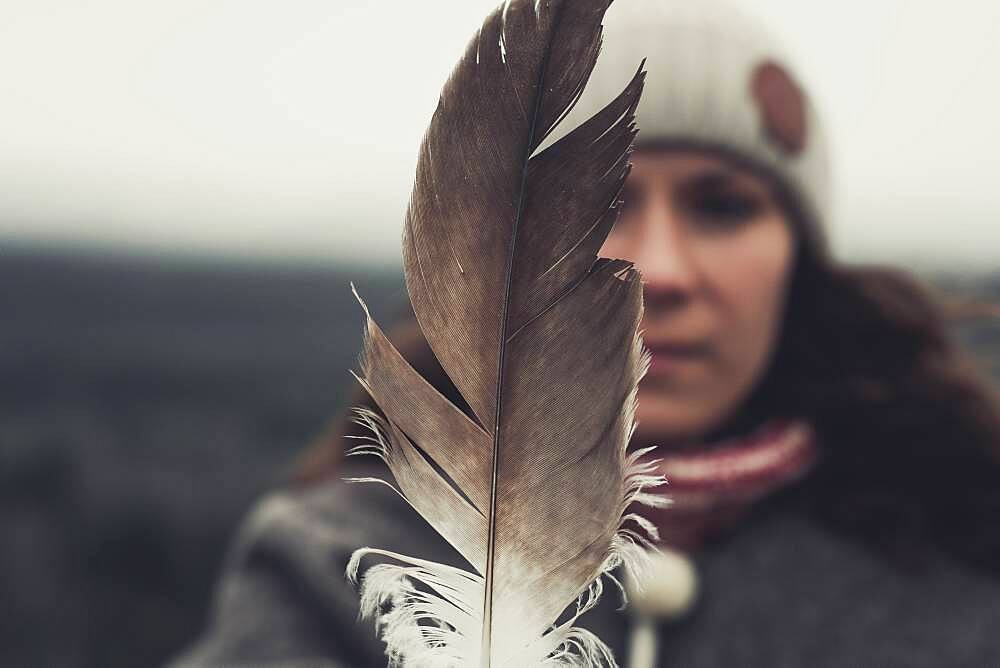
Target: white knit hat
{"x": 716, "y": 79}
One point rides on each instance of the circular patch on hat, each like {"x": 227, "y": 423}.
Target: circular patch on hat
{"x": 782, "y": 106}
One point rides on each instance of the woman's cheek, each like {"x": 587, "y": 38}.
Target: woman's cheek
{"x": 749, "y": 279}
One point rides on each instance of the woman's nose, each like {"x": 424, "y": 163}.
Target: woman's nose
{"x": 663, "y": 255}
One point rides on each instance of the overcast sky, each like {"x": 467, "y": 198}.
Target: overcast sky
{"x": 267, "y": 128}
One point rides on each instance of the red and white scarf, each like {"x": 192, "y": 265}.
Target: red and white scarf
{"x": 711, "y": 487}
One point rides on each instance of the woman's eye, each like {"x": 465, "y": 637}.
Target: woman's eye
{"x": 724, "y": 208}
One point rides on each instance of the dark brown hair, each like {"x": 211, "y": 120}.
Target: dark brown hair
{"x": 910, "y": 427}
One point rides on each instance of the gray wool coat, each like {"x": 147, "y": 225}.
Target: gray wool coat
{"x": 779, "y": 591}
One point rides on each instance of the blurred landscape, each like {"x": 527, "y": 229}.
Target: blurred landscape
{"x": 145, "y": 403}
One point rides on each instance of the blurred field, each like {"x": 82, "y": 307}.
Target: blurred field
{"x": 143, "y": 407}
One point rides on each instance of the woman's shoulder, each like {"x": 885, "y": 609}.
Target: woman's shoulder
{"x": 309, "y": 533}
{"x": 284, "y": 597}
{"x": 334, "y": 514}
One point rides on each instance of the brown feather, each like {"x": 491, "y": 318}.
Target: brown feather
{"x": 537, "y": 333}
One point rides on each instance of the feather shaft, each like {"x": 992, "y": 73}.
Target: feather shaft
{"x": 502, "y": 345}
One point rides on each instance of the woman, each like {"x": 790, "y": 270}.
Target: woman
{"x": 833, "y": 458}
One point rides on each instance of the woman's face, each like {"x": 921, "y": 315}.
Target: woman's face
{"x": 715, "y": 250}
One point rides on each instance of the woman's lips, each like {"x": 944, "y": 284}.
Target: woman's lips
{"x": 670, "y": 356}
